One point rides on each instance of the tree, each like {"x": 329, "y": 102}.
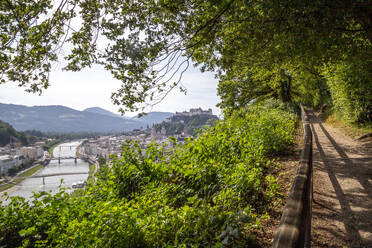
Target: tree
{"x": 13, "y": 170}
{"x": 8, "y": 135}
{"x": 351, "y": 88}
{"x": 101, "y": 161}
{"x": 31, "y": 33}
{"x": 149, "y": 44}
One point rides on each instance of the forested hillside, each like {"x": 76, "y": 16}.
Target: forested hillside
{"x": 9, "y": 134}
{"x": 62, "y": 119}
{"x": 185, "y": 124}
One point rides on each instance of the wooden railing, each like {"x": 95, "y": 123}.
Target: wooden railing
{"x": 295, "y": 224}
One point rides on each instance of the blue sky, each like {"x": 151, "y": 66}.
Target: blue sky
{"x": 93, "y": 87}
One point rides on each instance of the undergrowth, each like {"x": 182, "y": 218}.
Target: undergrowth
{"x": 209, "y": 192}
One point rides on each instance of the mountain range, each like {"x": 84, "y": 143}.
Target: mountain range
{"x": 56, "y": 118}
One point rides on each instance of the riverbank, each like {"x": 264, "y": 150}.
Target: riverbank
{"x": 51, "y": 149}
{"x": 20, "y": 177}
{"x": 92, "y": 171}
{"x": 90, "y": 180}
{"x": 78, "y": 151}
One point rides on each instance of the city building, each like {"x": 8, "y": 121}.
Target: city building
{"x": 7, "y": 162}
{"x": 31, "y": 153}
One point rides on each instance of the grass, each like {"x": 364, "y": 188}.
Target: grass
{"x": 31, "y": 171}
{"x": 78, "y": 151}
{"x": 5, "y": 187}
{"x": 51, "y": 151}
{"x": 352, "y": 130}
{"x": 52, "y": 148}
{"x": 21, "y": 177}
{"x": 92, "y": 168}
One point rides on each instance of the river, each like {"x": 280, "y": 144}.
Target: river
{"x": 52, "y": 183}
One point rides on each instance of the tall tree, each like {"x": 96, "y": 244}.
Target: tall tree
{"x": 147, "y": 45}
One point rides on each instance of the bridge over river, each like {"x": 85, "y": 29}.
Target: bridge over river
{"x": 71, "y": 169}
{"x": 65, "y": 158}
{"x": 70, "y": 157}
{"x": 65, "y": 151}
{"x": 58, "y": 174}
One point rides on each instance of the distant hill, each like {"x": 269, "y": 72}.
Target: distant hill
{"x": 62, "y": 119}
{"x": 102, "y": 111}
{"x": 153, "y": 118}
{"x": 147, "y": 119}
{"x": 8, "y": 133}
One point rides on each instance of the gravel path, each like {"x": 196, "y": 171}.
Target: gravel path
{"x": 342, "y": 207}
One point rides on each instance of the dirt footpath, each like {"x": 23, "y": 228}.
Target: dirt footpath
{"x": 342, "y": 207}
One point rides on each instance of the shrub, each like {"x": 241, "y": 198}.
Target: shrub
{"x": 205, "y": 193}
{"x": 351, "y": 90}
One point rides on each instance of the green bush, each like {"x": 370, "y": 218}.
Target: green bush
{"x": 351, "y": 90}
{"x": 13, "y": 170}
{"x": 211, "y": 191}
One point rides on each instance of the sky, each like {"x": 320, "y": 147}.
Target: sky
{"x": 93, "y": 87}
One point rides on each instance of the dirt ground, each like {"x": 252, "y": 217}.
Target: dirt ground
{"x": 342, "y": 206}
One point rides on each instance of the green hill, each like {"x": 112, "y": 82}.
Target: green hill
{"x": 61, "y": 119}
{"x": 8, "y": 133}
{"x": 187, "y": 124}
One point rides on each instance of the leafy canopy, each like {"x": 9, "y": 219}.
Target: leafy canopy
{"x": 147, "y": 45}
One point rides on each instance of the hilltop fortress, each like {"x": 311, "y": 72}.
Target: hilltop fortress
{"x": 184, "y": 123}
{"x": 194, "y": 111}
{"x": 182, "y": 116}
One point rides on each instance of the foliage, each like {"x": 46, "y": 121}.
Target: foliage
{"x": 101, "y": 160}
{"x": 35, "y": 133}
{"x": 149, "y": 44}
{"x": 351, "y": 89}
{"x": 50, "y": 145}
{"x": 189, "y": 124}
{"x": 15, "y": 169}
{"x": 238, "y": 87}
{"x": 30, "y": 37}
{"x": 213, "y": 191}
{"x": 8, "y": 134}
{"x": 312, "y": 89}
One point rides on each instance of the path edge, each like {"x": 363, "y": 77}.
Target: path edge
{"x": 295, "y": 224}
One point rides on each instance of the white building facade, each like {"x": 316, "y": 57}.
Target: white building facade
{"x": 7, "y": 162}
